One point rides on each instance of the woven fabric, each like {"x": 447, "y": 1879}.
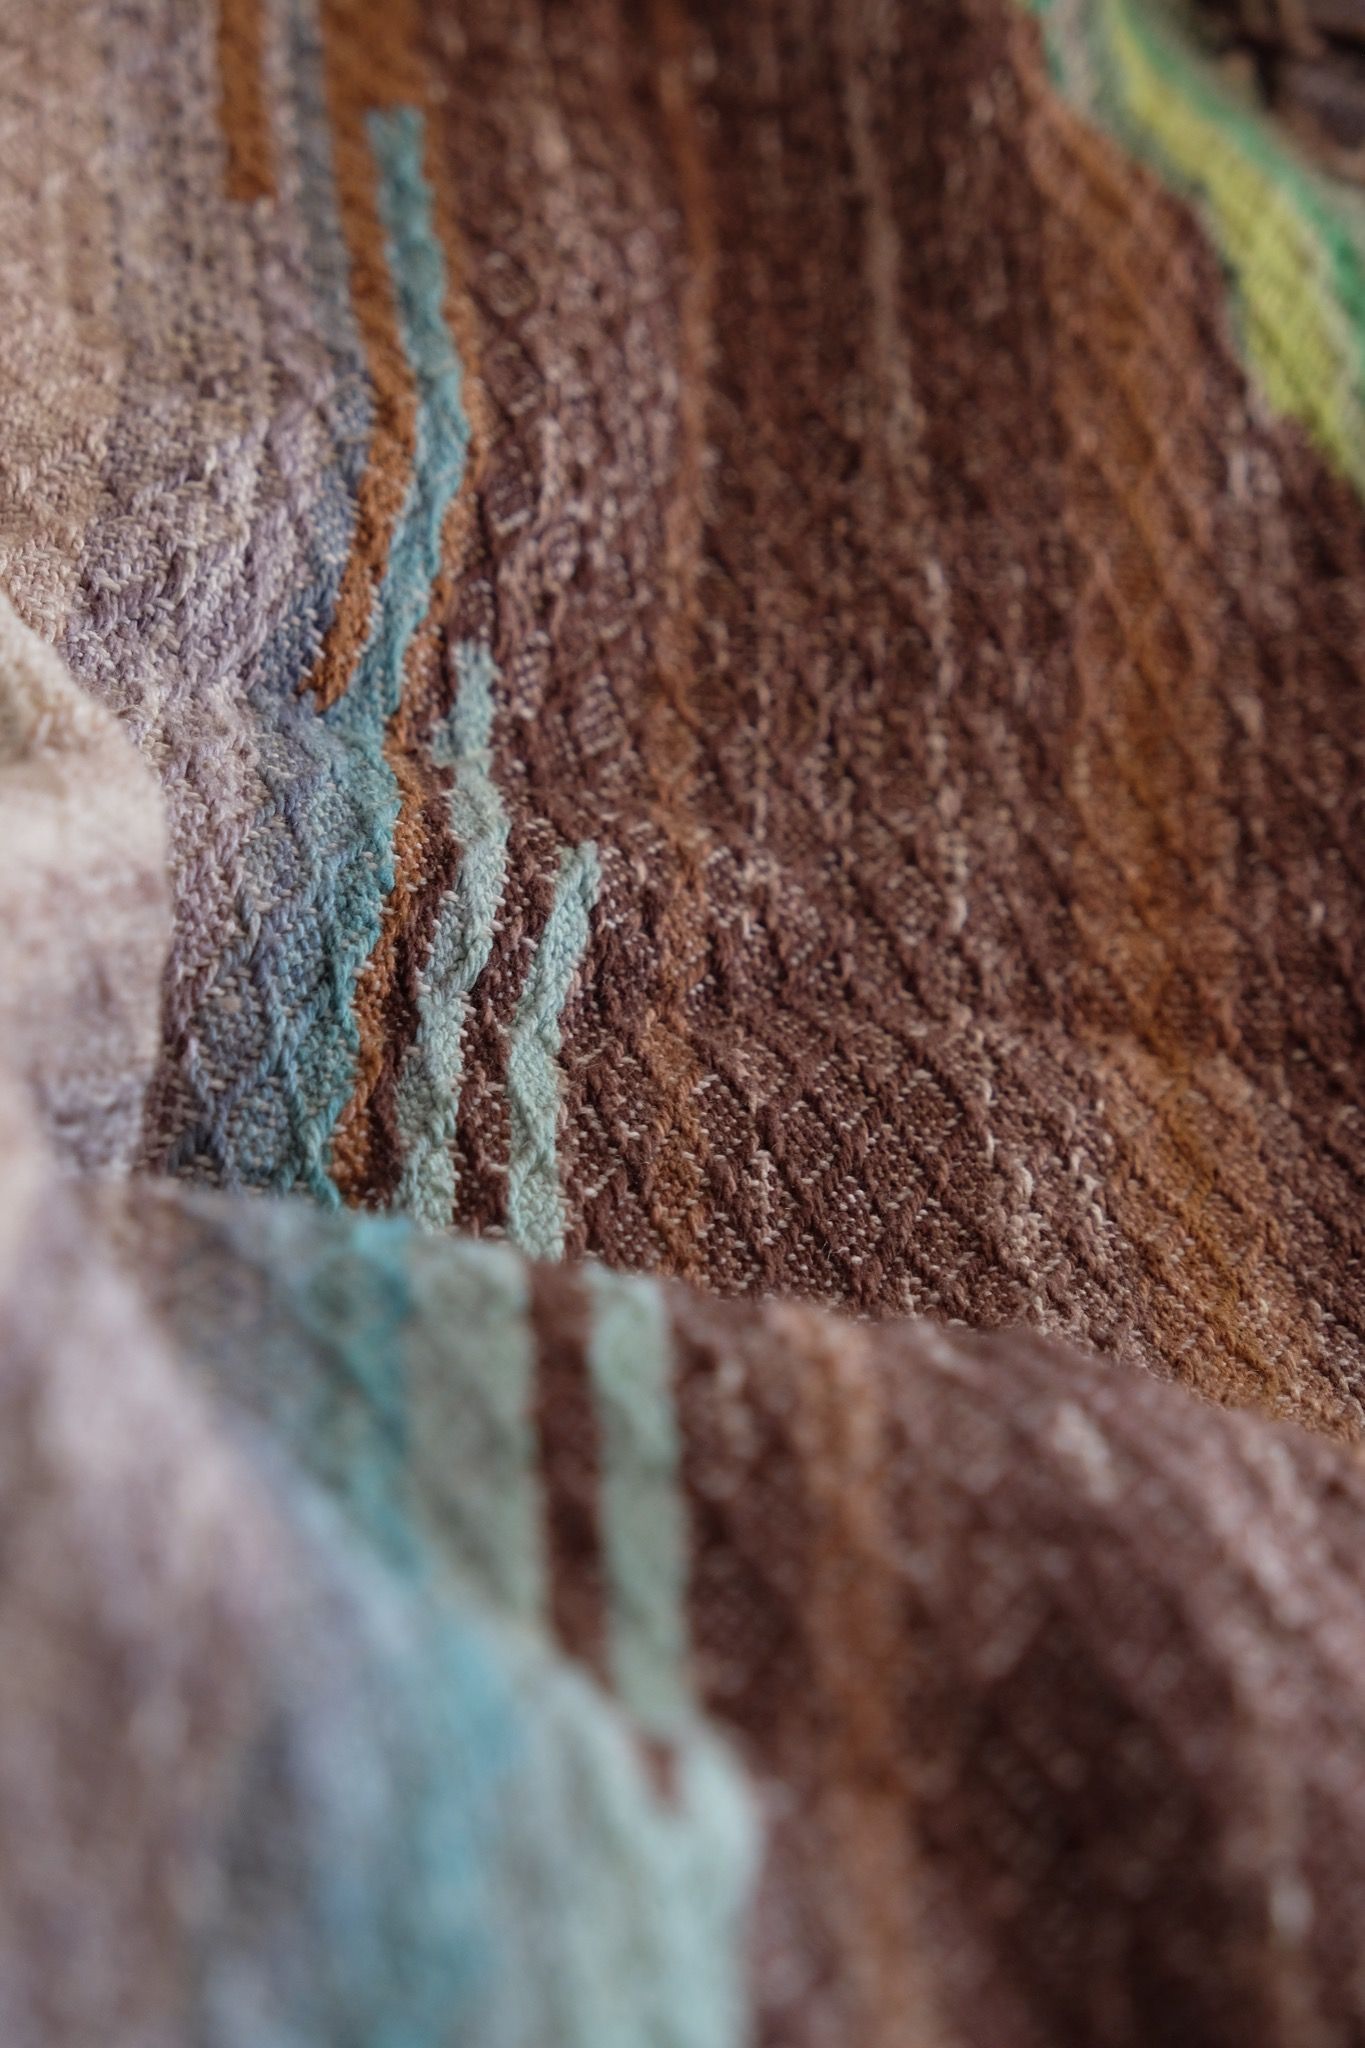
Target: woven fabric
{"x": 681, "y": 1325}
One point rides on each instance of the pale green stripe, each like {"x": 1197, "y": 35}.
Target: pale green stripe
{"x": 644, "y": 1534}
{"x": 1291, "y": 240}
{"x": 535, "y": 1201}
{"x": 636, "y": 1909}
{"x": 428, "y": 1092}
{"x": 471, "y": 1385}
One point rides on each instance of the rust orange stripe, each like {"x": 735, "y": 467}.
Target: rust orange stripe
{"x": 370, "y": 61}
{"x": 366, "y": 1163}
{"x": 1152, "y": 883}
{"x": 245, "y": 122}
{"x": 365, "y": 1159}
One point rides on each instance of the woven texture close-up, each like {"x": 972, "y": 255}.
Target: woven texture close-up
{"x": 682, "y": 1024}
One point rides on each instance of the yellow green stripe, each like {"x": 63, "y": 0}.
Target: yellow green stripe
{"x": 1289, "y": 240}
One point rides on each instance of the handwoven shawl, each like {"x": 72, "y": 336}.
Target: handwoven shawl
{"x": 682, "y": 997}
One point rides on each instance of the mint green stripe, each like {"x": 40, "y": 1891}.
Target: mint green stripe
{"x": 471, "y": 1388}
{"x": 639, "y": 1920}
{"x": 644, "y": 1535}
{"x": 428, "y": 1090}
{"x": 535, "y": 1202}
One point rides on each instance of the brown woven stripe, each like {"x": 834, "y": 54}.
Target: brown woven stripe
{"x": 570, "y": 1452}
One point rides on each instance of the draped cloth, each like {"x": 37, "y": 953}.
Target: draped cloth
{"x": 681, "y": 1310}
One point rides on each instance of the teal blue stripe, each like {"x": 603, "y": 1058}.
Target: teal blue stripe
{"x": 644, "y": 1535}
{"x": 428, "y": 1086}
{"x": 355, "y": 885}
{"x": 535, "y": 1202}
{"x": 442, "y": 434}
{"x": 471, "y": 1390}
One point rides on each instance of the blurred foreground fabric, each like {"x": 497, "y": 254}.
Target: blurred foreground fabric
{"x": 682, "y": 1332}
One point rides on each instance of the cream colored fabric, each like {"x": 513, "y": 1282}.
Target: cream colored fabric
{"x": 84, "y": 905}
